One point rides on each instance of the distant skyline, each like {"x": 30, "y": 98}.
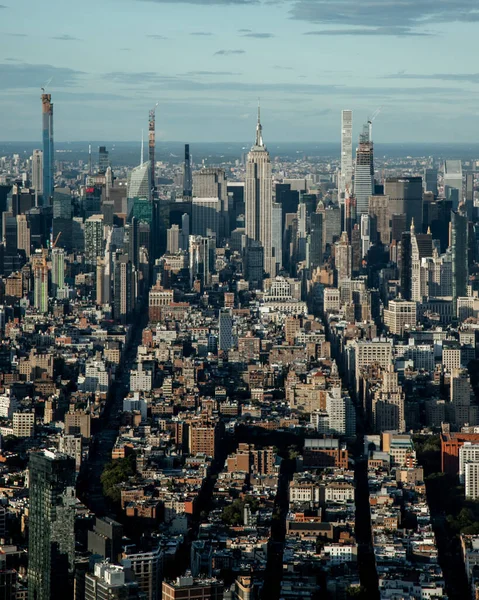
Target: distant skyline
{"x": 207, "y": 61}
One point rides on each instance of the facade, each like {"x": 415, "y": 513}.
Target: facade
{"x": 405, "y": 198}
{"x": 206, "y": 213}
{"x": 37, "y": 171}
{"x": 399, "y": 316}
{"x": 343, "y": 258}
{"x": 346, "y": 150}
{"x": 94, "y": 239}
{"x": 51, "y": 546}
{"x": 225, "y": 324}
{"x": 459, "y": 245}
{"x": 453, "y": 182}
{"x": 40, "y": 288}
{"x": 259, "y": 200}
{"x": 58, "y": 270}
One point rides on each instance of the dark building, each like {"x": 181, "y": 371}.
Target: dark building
{"x": 289, "y": 200}
{"x": 430, "y": 181}
{"x": 459, "y": 247}
{"x": 51, "y": 539}
{"x": 187, "y": 174}
{"x": 103, "y": 160}
{"x": 105, "y": 539}
{"x": 316, "y": 240}
{"x": 405, "y": 198}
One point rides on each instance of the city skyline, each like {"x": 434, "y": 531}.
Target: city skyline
{"x": 202, "y": 67}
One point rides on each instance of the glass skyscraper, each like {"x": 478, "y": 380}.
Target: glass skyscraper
{"x": 364, "y": 175}
{"x": 51, "y": 547}
{"x": 48, "y": 152}
{"x": 138, "y": 186}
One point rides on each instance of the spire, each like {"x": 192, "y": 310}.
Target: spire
{"x": 413, "y": 229}
{"x": 141, "y": 155}
{"x": 259, "y": 129}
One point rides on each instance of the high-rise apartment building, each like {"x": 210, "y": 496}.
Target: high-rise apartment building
{"x": 364, "y": 174}
{"x": 259, "y": 200}
{"x": 48, "y": 151}
{"x": 51, "y": 543}
{"x": 40, "y": 288}
{"x": 187, "y": 174}
{"x": 94, "y": 239}
{"x": 58, "y": 270}
{"x": 225, "y": 324}
{"x": 37, "y": 171}
{"x": 346, "y": 181}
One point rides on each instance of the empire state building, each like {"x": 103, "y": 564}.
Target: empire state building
{"x": 259, "y": 200}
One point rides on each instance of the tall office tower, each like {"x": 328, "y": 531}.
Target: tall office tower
{"x": 461, "y": 394}
{"x": 23, "y": 234}
{"x": 349, "y": 210}
{"x": 365, "y": 235}
{"x": 469, "y": 196}
{"x": 187, "y": 175}
{"x": 254, "y": 264}
{"x": 103, "y": 160}
{"x": 51, "y": 540}
{"x": 343, "y": 258}
{"x": 123, "y": 297}
{"x": 259, "y": 199}
{"x": 316, "y": 240}
{"x": 277, "y": 234}
{"x": 202, "y": 258}
{"x": 100, "y": 281}
{"x": 205, "y": 215}
{"x": 405, "y": 198}
{"x": 405, "y": 265}
{"x": 40, "y": 288}
{"x": 430, "y": 181}
{"x": 211, "y": 183}
{"x": 459, "y": 247}
{"x": 356, "y": 254}
{"x": 453, "y": 182}
{"x": 139, "y": 181}
{"x": 421, "y": 247}
{"x": 300, "y": 250}
{"x": 173, "y": 239}
{"x": 151, "y": 147}
{"x": 58, "y": 270}
{"x": 37, "y": 171}
{"x": 48, "y": 151}
{"x": 380, "y": 222}
{"x": 225, "y": 324}
{"x": 94, "y": 239}
{"x": 346, "y": 177}
{"x": 62, "y": 203}
{"x": 185, "y": 232}
{"x": 364, "y": 174}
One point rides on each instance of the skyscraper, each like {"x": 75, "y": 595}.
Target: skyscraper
{"x": 58, "y": 270}
{"x": 40, "y": 288}
{"x": 405, "y": 198}
{"x": 211, "y": 183}
{"x": 346, "y": 151}
{"x": 187, "y": 176}
{"x": 48, "y": 152}
{"x": 151, "y": 147}
{"x": 139, "y": 182}
{"x": 364, "y": 174}
{"x": 343, "y": 258}
{"x": 453, "y": 182}
{"x": 225, "y": 324}
{"x": 259, "y": 199}
{"x": 51, "y": 542}
{"x": 37, "y": 171}
{"x": 430, "y": 181}
{"x": 103, "y": 160}
{"x": 459, "y": 247}
{"x": 23, "y": 234}
{"x": 94, "y": 239}
{"x": 123, "y": 300}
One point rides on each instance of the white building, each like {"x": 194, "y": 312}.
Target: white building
{"x": 23, "y": 424}
{"x": 97, "y": 377}
{"x": 471, "y": 480}
{"x": 469, "y": 452}
{"x": 140, "y": 379}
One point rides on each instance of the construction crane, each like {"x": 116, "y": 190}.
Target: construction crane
{"x": 54, "y": 245}
{"x": 370, "y": 122}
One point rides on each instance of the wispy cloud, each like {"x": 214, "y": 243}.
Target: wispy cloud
{"x": 362, "y": 31}
{"x": 24, "y": 75}
{"x": 259, "y": 36}
{"x": 65, "y": 38}
{"x": 202, "y": 33}
{"x": 228, "y": 52}
{"x": 210, "y": 73}
{"x": 392, "y": 18}
{"x": 155, "y": 36}
{"x": 204, "y": 2}
{"x": 460, "y": 77}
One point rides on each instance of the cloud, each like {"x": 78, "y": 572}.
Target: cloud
{"x": 244, "y": 30}
{"x": 397, "y": 31}
{"x": 208, "y": 73}
{"x": 260, "y": 36}
{"x": 66, "y": 38}
{"x": 3, "y": 6}
{"x": 14, "y": 34}
{"x": 24, "y": 75}
{"x": 13, "y": 60}
{"x": 125, "y": 49}
{"x": 204, "y": 33}
{"x": 283, "y": 68}
{"x": 155, "y": 36}
{"x": 395, "y": 18}
{"x": 461, "y": 77}
{"x": 228, "y": 52}
{"x": 205, "y": 2}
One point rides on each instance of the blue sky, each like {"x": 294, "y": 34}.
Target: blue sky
{"x": 207, "y": 61}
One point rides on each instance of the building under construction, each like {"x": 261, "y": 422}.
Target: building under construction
{"x": 48, "y": 151}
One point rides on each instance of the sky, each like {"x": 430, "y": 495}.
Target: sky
{"x": 206, "y": 62}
